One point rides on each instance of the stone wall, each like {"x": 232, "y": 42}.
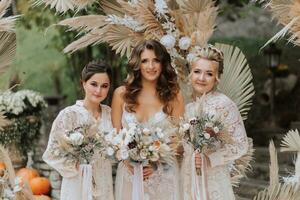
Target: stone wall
{"x": 43, "y": 168}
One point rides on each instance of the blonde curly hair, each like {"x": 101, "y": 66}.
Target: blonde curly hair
{"x": 210, "y": 53}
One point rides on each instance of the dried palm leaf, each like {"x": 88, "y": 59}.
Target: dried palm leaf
{"x": 7, "y": 49}
{"x": 291, "y": 141}
{"x": 196, "y": 19}
{"x": 122, "y": 39}
{"x": 280, "y": 192}
{"x": 6, "y": 24}
{"x": 85, "y": 23}
{"x": 4, "y": 5}
{"x": 195, "y": 6}
{"x": 153, "y": 28}
{"x": 274, "y": 168}
{"x": 3, "y": 121}
{"x": 112, "y": 7}
{"x": 236, "y": 80}
{"x": 287, "y": 13}
{"x": 62, "y": 6}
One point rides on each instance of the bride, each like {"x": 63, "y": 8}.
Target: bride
{"x": 149, "y": 97}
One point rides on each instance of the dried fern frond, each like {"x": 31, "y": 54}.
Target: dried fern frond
{"x": 236, "y": 80}
{"x": 291, "y": 141}
{"x": 7, "y": 49}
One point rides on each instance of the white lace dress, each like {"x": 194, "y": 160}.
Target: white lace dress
{"x": 68, "y": 119}
{"x": 163, "y": 184}
{"x": 218, "y": 176}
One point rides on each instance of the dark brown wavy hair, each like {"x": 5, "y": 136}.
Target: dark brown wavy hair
{"x": 167, "y": 87}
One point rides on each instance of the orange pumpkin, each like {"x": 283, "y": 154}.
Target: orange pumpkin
{"x": 27, "y": 174}
{"x": 41, "y": 197}
{"x": 2, "y": 168}
{"x": 40, "y": 185}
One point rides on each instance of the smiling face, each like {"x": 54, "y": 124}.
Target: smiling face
{"x": 150, "y": 66}
{"x": 204, "y": 75}
{"x": 96, "y": 88}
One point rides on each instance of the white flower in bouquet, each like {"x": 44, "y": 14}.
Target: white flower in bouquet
{"x": 117, "y": 139}
{"x": 184, "y": 127}
{"x": 168, "y": 41}
{"x": 110, "y": 151}
{"x": 147, "y": 140}
{"x": 76, "y": 138}
{"x": 146, "y": 132}
{"x": 154, "y": 157}
{"x": 184, "y": 43}
{"x": 216, "y": 129}
{"x": 206, "y": 136}
{"x": 128, "y": 139}
{"x": 143, "y": 153}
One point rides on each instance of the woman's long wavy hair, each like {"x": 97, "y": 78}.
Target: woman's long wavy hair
{"x": 167, "y": 87}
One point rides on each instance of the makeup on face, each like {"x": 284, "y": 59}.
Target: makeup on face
{"x": 96, "y": 88}
{"x": 150, "y": 65}
{"x": 204, "y": 75}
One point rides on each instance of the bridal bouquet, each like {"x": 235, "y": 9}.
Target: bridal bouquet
{"x": 82, "y": 143}
{"x": 140, "y": 145}
{"x": 207, "y": 133}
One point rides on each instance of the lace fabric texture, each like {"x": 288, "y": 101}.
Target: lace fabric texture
{"x": 68, "y": 119}
{"x": 163, "y": 184}
{"x": 219, "y": 184}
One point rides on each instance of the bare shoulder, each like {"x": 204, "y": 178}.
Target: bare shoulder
{"x": 119, "y": 91}
{"x": 118, "y": 96}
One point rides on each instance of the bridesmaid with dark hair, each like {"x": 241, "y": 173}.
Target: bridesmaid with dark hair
{"x": 95, "y": 78}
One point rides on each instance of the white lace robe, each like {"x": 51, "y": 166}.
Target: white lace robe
{"x": 163, "y": 184}
{"x": 68, "y": 119}
{"x": 219, "y": 185}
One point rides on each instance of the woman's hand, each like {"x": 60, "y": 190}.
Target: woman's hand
{"x": 198, "y": 160}
{"x": 147, "y": 171}
{"x": 129, "y": 166}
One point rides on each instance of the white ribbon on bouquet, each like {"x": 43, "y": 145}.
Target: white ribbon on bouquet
{"x": 138, "y": 186}
{"x": 199, "y": 182}
{"x": 86, "y": 181}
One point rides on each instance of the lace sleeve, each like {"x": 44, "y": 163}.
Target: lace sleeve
{"x": 235, "y": 126}
{"x": 53, "y": 155}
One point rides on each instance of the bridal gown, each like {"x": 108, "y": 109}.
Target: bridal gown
{"x": 68, "y": 119}
{"x": 163, "y": 184}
